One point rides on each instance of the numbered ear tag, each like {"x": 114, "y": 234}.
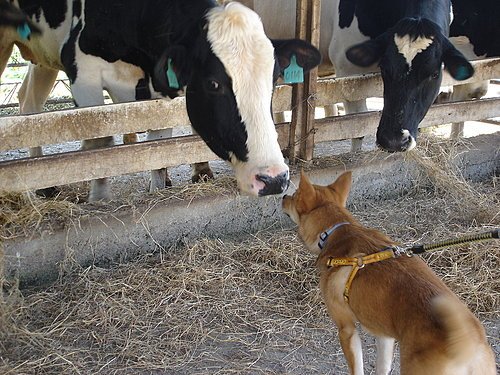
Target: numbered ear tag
{"x": 24, "y": 31}
{"x": 171, "y": 77}
{"x": 294, "y": 73}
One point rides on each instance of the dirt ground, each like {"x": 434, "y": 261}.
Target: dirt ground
{"x": 246, "y": 305}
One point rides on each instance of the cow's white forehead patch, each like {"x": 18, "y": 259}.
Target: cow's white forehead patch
{"x": 410, "y": 47}
{"x": 237, "y": 38}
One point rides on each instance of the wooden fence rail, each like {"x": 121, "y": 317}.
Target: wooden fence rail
{"x": 93, "y": 122}
{"x": 56, "y": 127}
{"x": 60, "y": 169}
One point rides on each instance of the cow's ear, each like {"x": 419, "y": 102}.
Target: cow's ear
{"x": 456, "y": 63}
{"x": 12, "y": 16}
{"x": 367, "y": 53}
{"x": 296, "y": 51}
{"x": 172, "y": 70}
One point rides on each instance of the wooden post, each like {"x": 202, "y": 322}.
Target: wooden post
{"x": 301, "y": 145}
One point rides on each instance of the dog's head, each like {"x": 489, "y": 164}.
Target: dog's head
{"x": 315, "y": 208}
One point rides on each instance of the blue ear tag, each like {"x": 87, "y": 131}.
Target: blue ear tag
{"x": 24, "y": 31}
{"x": 294, "y": 73}
{"x": 462, "y": 73}
{"x": 171, "y": 77}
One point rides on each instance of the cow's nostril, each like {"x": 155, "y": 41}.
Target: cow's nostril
{"x": 408, "y": 142}
{"x": 404, "y": 142}
{"x": 273, "y": 185}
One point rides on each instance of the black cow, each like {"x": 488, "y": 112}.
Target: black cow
{"x": 478, "y": 22}
{"x": 141, "y": 49}
{"x": 408, "y": 41}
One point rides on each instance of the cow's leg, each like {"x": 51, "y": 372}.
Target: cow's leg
{"x": 33, "y": 94}
{"x": 467, "y": 91}
{"x": 159, "y": 177}
{"x": 385, "y": 351}
{"x": 331, "y": 110}
{"x": 122, "y": 91}
{"x": 201, "y": 171}
{"x": 356, "y": 107}
{"x": 87, "y": 91}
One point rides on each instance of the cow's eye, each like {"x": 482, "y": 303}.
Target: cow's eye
{"x": 213, "y": 85}
{"x": 435, "y": 75}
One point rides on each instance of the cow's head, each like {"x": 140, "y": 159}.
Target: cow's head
{"x": 14, "y": 17}
{"x": 410, "y": 57}
{"x": 230, "y": 76}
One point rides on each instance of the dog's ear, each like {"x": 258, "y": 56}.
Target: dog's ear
{"x": 306, "y": 198}
{"x": 342, "y": 186}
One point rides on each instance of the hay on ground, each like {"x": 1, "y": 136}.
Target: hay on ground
{"x": 241, "y": 306}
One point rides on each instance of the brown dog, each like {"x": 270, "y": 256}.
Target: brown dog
{"x": 395, "y": 297}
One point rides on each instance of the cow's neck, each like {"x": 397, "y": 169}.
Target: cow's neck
{"x": 180, "y": 24}
{"x": 437, "y": 11}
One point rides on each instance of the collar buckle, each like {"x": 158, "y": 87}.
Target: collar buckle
{"x": 324, "y": 236}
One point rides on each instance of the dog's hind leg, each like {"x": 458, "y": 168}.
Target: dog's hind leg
{"x": 351, "y": 345}
{"x": 385, "y": 351}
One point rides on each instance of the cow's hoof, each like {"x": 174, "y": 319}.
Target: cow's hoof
{"x": 100, "y": 191}
{"x": 50, "y": 192}
{"x": 159, "y": 180}
{"x": 202, "y": 176}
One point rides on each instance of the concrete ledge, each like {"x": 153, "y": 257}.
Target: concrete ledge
{"x": 105, "y": 238}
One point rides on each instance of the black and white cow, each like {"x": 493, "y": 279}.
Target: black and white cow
{"x": 406, "y": 39}
{"x": 141, "y": 49}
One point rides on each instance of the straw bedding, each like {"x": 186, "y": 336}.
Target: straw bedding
{"x": 236, "y": 305}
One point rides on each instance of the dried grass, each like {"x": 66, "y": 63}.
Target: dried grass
{"x": 216, "y": 302}
{"x": 247, "y": 305}
{"x": 23, "y": 214}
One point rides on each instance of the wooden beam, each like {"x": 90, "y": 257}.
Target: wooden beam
{"x": 93, "y": 122}
{"x": 90, "y": 122}
{"x": 301, "y": 143}
{"x": 60, "y": 169}
{"x": 362, "y": 124}
{"x": 297, "y": 105}
{"x": 491, "y": 121}
{"x": 335, "y": 90}
{"x": 306, "y": 149}
{"x": 66, "y": 168}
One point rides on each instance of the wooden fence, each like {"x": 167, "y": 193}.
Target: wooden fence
{"x": 296, "y": 138}
{"x": 56, "y": 127}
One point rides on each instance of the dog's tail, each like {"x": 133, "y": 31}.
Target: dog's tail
{"x": 463, "y": 329}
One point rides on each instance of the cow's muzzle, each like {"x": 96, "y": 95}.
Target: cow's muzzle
{"x": 399, "y": 143}
{"x": 273, "y": 185}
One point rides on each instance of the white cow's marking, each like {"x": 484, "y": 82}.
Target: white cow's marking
{"x": 237, "y": 38}
{"x": 464, "y": 45}
{"x": 410, "y": 47}
{"x": 406, "y": 134}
